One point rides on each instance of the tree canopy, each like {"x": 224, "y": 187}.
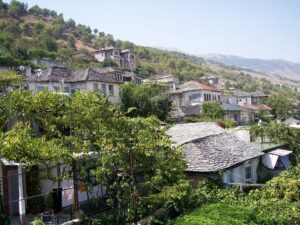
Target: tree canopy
{"x": 145, "y": 100}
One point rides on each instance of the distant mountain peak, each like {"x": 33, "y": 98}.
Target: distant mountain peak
{"x": 279, "y": 67}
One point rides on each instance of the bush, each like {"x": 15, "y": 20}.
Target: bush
{"x": 218, "y": 214}
{"x": 37, "y": 221}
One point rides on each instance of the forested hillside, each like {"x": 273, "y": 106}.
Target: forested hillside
{"x": 34, "y": 33}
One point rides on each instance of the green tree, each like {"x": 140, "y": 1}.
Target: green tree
{"x": 71, "y": 41}
{"x": 17, "y": 8}
{"x": 212, "y": 110}
{"x": 7, "y": 79}
{"x": 145, "y": 100}
{"x": 135, "y": 153}
{"x": 71, "y": 23}
{"x": 281, "y": 105}
{"x": 36, "y": 10}
{"x": 96, "y": 31}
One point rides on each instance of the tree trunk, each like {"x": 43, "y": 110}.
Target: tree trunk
{"x": 75, "y": 183}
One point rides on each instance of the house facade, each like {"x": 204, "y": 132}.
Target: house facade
{"x": 16, "y": 184}
{"x": 168, "y": 79}
{"x": 125, "y": 58}
{"x": 209, "y": 149}
{"x": 61, "y": 79}
{"x": 249, "y": 98}
{"x": 194, "y": 93}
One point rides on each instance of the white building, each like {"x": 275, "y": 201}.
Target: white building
{"x": 15, "y": 185}
{"x": 194, "y": 93}
{"x": 61, "y": 79}
{"x": 209, "y": 149}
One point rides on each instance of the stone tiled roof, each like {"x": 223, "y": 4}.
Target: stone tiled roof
{"x": 161, "y": 76}
{"x": 217, "y": 152}
{"x": 256, "y": 107}
{"x": 210, "y": 148}
{"x": 232, "y": 107}
{"x": 194, "y": 85}
{"x": 182, "y": 111}
{"x": 184, "y": 133}
{"x": 57, "y": 74}
{"x": 239, "y": 93}
{"x": 258, "y": 94}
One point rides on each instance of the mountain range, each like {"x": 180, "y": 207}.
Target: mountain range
{"x": 278, "y": 67}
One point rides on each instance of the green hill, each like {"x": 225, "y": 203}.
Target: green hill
{"x": 31, "y": 33}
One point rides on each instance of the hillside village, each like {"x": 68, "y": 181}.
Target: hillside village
{"x": 104, "y": 137}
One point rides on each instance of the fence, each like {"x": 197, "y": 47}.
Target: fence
{"x": 65, "y": 214}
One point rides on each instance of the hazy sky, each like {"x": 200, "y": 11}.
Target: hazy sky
{"x": 254, "y": 28}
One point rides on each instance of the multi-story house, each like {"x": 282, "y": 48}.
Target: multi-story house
{"x": 194, "y": 93}
{"x": 124, "y": 58}
{"x": 249, "y": 98}
{"x": 62, "y": 79}
{"x": 168, "y": 79}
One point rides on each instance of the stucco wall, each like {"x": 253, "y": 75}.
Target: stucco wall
{"x": 244, "y": 100}
{"x": 47, "y": 185}
{"x": 238, "y": 175}
{"x": 72, "y": 87}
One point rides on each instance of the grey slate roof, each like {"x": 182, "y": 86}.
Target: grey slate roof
{"x": 58, "y": 73}
{"x": 194, "y": 85}
{"x": 187, "y": 132}
{"x": 232, "y": 107}
{"x": 217, "y": 152}
{"x": 239, "y": 93}
{"x": 182, "y": 111}
{"x": 210, "y": 148}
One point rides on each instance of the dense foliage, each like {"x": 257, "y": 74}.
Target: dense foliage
{"x": 137, "y": 158}
{"x": 278, "y": 202}
{"x": 212, "y": 110}
{"x": 145, "y": 100}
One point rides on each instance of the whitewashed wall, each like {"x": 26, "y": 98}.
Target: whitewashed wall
{"x": 238, "y": 175}
{"x": 47, "y": 185}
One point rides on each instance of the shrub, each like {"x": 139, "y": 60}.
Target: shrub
{"x": 218, "y": 214}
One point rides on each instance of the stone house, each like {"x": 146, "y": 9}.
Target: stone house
{"x": 62, "y": 79}
{"x": 125, "y": 58}
{"x": 194, "y": 93}
{"x": 168, "y": 79}
{"x": 210, "y": 150}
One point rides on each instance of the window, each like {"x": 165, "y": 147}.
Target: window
{"x": 103, "y": 89}
{"x": 118, "y": 76}
{"x": 95, "y": 87}
{"x": 111, "y": 89}
{"x": 248, "y": 172}
{"x": 207, "y": 97}
{"x": 195, "y": 99}
{"x": 67, "y": 90}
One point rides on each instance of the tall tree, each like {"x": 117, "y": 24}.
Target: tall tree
{"x": 145, "y": 100}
